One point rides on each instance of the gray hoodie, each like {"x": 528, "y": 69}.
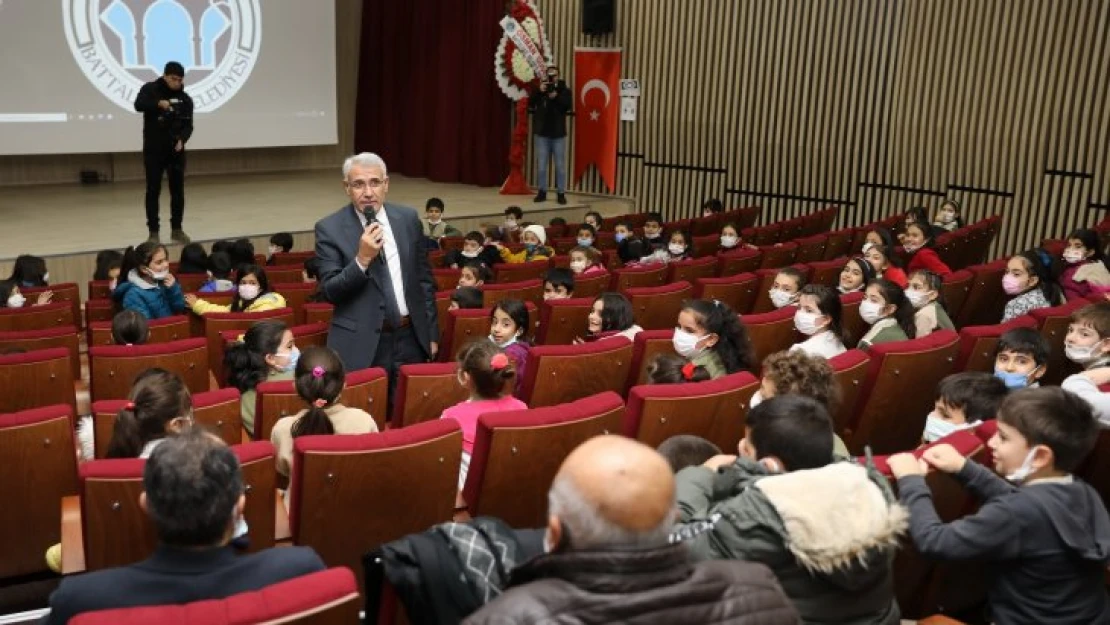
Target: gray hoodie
{"x": 1047, "y": 544}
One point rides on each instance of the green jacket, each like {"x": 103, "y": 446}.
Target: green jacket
{"x": 885, "y": 330}
{"x": 834, "y": 571}
{"x": 712, "y": 363}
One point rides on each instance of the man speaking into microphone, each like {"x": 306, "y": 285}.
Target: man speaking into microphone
{"x": 374, "y": 269}
{"x": 167, "y": 125}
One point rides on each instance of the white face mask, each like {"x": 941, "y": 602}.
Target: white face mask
{"x": 16, "y": 300}
{"x": 160, "y": 275}
{"x": 870, "y": 311}
{"x": 677, "y": 249}
{"x": 917, "y": 298}
{"x": 1082, "y": 355}
{"x": 578, "y": 266}
{"x": 112, "y": 284}
{"x": 937, "y": 428}
{"x": 435, "y": 219}
{"x": 505, "y": 344}
{"x": 947, "y": 217}
{"x": 1073, "y": 256}
{"x": 686, "y": 344}
{"x": 806, "y": 322}
{"x": 510, "y": 223}
{"x": 1022, "y": 472}
{"x": 780, "y": 298}
{"x": 910, "y": 248}
{"x": 46, "y": 277}
{"x": 274, "y": 250}
{"x": 728, "y": 240}
{"x": 467, "y": 254}
{"x": 757, "y": 399}
{"x": 248, "y": 291}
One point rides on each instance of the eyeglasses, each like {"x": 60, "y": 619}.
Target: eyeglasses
{"x": 362, "y": 185}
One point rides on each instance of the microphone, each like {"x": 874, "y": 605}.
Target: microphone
{"x": 372, "y": 219}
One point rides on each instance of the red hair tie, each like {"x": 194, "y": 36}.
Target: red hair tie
{"x": 320, "y": 403}
{"x": 317, "y": 372}
{"x": 499, "y": 361}
{"x": 688, "y": 371}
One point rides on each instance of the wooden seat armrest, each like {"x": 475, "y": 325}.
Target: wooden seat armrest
{"x": 281, "y": 518}
{"x": 73, "y": 542}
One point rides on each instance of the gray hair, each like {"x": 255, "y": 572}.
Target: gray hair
{"x": 366, "y": 159}
{"x": 588, "y": 529}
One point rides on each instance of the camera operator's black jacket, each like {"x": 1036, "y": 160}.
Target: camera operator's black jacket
{"x": 162, "y": 129}
{"x": 549, "y": 115}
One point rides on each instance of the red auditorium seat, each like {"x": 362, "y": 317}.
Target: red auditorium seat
{"x": 284, "y": 274}
{"x": 762, "y": 236}
{"x": 851, "y": 322}
{"x": 65, "y": 293}
{"x": 978, "y": 343}
{"x": 691, "y": 270}
{"x": 520, "y": 272}
{"x": 192, "y": 282}
{"x": 37, "y": 317}
{"x": 1053, "y": 323}
{"x": 451, "y": 243}
{"x": 840, "y": 244}
{"x": 738, "y": 291}
{"x": 744, "y": 260}
{"x": 216, "y": 411}
{"x": 215, "y": 323}
{"x": 706, "y": 226}
{"x": 446, "y": 279}
{"x": 955, "y": 290}
{"x": 162, "y": 330}
{"x": 328, "y": 597}
{"x": 558, "y": 374}
{"x": 35, "y": 379}
{"x": 296, "y": 295}
{"x": 563, "y": 320}
{"x": 656, "y": 308}
{"x": 705, "y": 245}
{"x": 827, "y": 272}
{"x": 776, "y": 256}
{"x": 424, "y": 391}
{"x": 345, "y": 490}
{"x": 40, "y": 467}
{"x": 365, "y": 389}
{"x": 517, "y": 454}
{"x": 100, "y": 289}
{"x": 986, "y": 299}
{"x": 771, "y": 332}
{"x": 466, "y": 325}
{"x": 528, "y": 291}
{"x": 899, "y": 392}
{"x": 593, "y": 285}
{"x": 850, "y": 369}
{"x": 99, "y": 310}
{"x": 811, "y": 249}
{"x": 636, "y": 277}
{"x": 114, "y": 529}
{"x": 292, "y": 258}
{"x": 645, "y": 347}
{"x": 318, "y": 312}
{"x": 714, "y": 409}
{"x": 32, "y": 340}
{"x": 113, "y": 368}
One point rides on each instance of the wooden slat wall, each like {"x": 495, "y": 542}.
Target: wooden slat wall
{"x": 64, "y": 168}
{"x": 872, "y": 105}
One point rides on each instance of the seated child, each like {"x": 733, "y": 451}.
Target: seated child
{"x": 193, "y": 259}
{"x": 477, "y": 248}
{"x": 252, "y": 294}
{"x": 1044, "y": 533}
{"x": 784, "y": 290}
{"x": 535, "y": 247}
{"x": 558, "y": 283}
{"x": 219, "y": 270}
{"x": 794, "y": 372}
{"x": 434, "y": 226}
{"x": 731, "y": 241}
{"x": 611, "y": 315}
{"x": 509, "y": 332}
{"x": 474, "y": 274}
{"x": 129, "y": 328}
{"x": 465, "y": 297}
{"x": 281, "y": 242}
{"x": 653, "y": 233}
{"x": 888, "y": 312}
{"x": 622, "y": 231}
{"x": 1086, "y": 273}
{"x": 819, "y": 317}
{"x": 671, "y": 369}
{"x": 585, "y": 261}
{"x": 712, "y": 206}
{"x": 108, "y": 263}
{"x": 1021, "y": 358}
{"x": 1029, "y": 283}
{"x": 785, "y": 503}
{"x": 511, "y": 230}
{"x": 593, "y": 219}
{"x": 585, "y": 236}
{"x": 687, "y": 450}
{"x": 485, "y": 370}
{"x": 1087, "y": 344}
{"x": 856, "y": 274}
{"x": 266, "y": 353}
{"x": 319, "y": 379}
{"x": 964, "y": 400}
{"x": 711, "y": 335}
{"x": 927, "y": 300}
{"x": 30, "y": 272}
{"x": 948, "y": 216}
{"x": 11, "y": 297}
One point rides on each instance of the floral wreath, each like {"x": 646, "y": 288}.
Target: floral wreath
{"x": 513, "y": 72}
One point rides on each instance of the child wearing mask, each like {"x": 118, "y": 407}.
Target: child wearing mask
{"x": 266, "y": 353}
{"x": 964, "y": 400}
{"x": 535, "y": 247}
{"x": 585, "y": 261}
{"x": 1086, "y": 273}
{"x": 819, "y": 318}
{"x": 252, "y": 294}
{"x": 709, "y": 334}
{"x": 888, "y": 312}
{"x": 784, "y": 290}
{"x": 508, "y": 331}
{"x": 928, "y": 302}
{"x": 1028, "y": 282}
{"x": 1021, "y": 358}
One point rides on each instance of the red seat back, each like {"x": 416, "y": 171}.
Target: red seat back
{"x": 715, "y": 410}
{"x": 559, "y": 374}
{"x": 771, "y": 332}
{"x": 112, "y": 368}
{"x": 1053, "y": 323}
{"x": 743, "y": 260}
{"x": 36, "y": 379}
{"x": 656, "y": 308}
{"x": 738, "y": 291}
{"x": 978, "y": 344}
{"x": 527, "y": 291}
{"x": 424, "y": 391}
{"x": 564, "y": 320}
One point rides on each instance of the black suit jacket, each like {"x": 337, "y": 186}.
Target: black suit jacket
{"x": 176, "y": 576}
{"x": 356, "y": 324}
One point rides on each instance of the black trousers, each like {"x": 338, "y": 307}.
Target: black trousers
{"x": 158, "y": 161}
{"x": 395, "y": 348}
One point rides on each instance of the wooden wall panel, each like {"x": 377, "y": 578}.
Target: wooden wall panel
{"x": 872, "y": 105}
{"x": 65, "y": 168}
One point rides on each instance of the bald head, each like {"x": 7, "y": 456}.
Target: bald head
{"x": 613, "y": 491}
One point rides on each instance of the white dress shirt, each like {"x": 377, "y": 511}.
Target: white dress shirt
{"x": 822, "y": 344}
{"x": 392, "y": 258}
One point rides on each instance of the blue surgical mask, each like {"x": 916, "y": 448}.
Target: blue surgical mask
{"x": 585, "y": 242}
{"x": 1013, "y": 380}
{"x": 530, "y": 247}
{"x": 294, "y": 356}
{"x": 620, "y": 236}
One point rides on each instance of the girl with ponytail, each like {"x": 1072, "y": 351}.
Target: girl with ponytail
{"x": 265, "y": 354}
{"x": 319, "y": 380}
{"x": 159, "y": 405}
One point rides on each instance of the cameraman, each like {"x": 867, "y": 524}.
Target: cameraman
{"x": 167, "y": 125}
{"x": 549, "y": 106}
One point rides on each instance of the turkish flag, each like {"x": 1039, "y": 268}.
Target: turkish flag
{"x": 597, "y": 104}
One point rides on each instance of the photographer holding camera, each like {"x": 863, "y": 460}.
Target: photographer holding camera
{"x": 167, "y": 125}
{"x": 549, "y": 106}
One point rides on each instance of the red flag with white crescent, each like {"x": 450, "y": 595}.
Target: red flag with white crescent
{"x": 597, "y": 112}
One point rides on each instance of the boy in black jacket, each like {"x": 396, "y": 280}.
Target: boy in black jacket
{"x": 1047, "y": 540}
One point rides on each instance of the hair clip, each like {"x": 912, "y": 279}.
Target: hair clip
{"x": 317, "y": 372}
{"x": 499, "y": 361}
{"x": 688, "y": 371}
{"x": 129, "y": 405}
{"x": 717, "y": 303}
{"x": 320, "y": 403}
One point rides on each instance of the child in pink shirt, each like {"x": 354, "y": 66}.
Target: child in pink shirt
{"x": 487, "y": 372}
